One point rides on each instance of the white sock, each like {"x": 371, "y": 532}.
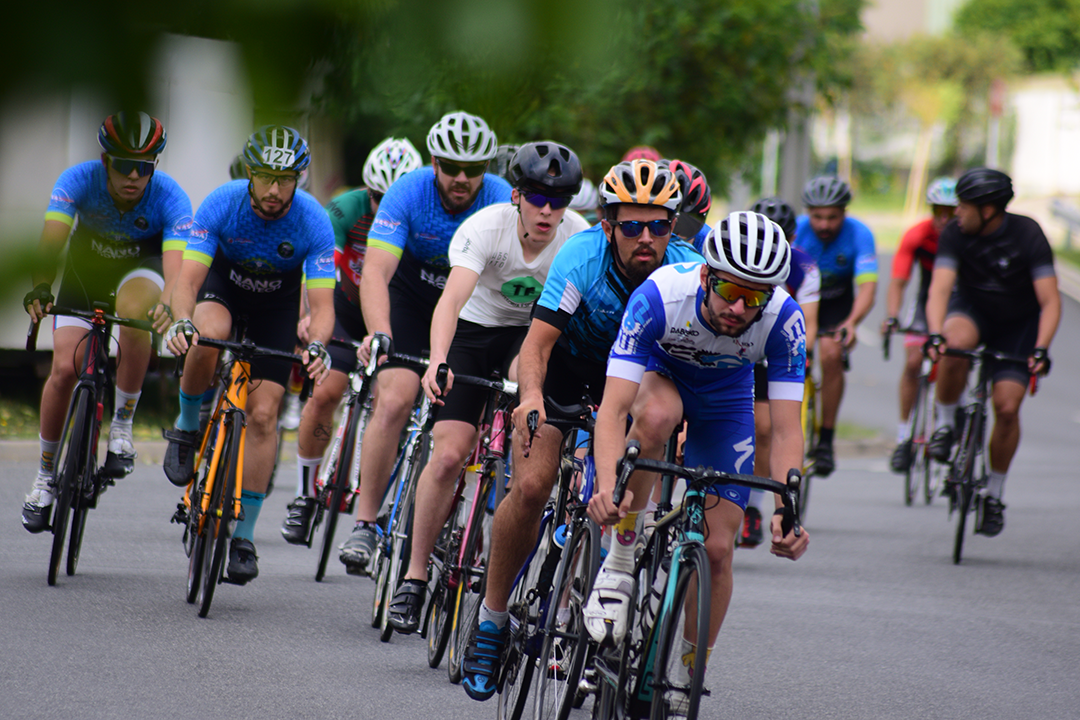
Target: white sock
{"x": 306, "y": 470}
{"x": 125, "y": 407}
{"x": 946, "y": 415}
{"x": 902, "y": 429}
{"x": 756, "y": 496}
{"x": 47, "y": 463}
{"x": 621, "y": 556}
{"x": 499, "y": 618}
{"x": 995, "y": 484}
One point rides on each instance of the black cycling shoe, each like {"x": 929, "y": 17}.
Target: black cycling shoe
{"x": 407, "y": 605}
{"x": 751, "y": 535}
{"x": 989, "y": 516}
{"x": 180, "y": 455}
{"x": 940, "y": 447}
{"x": 901, "y": 457}
{"x": 824, "y": 460}
{"x": 297, "y": 525}
{"x": 243, "y": 562}
{"x": 35, "y": 518}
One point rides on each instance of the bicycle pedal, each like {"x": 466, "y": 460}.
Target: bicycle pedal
{"x": 117, "y": 467}
{"x": 180, "y": 517}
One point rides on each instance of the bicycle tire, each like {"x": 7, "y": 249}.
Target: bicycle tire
{"x": 810, "y": 438}
{"x": 74, "y": 459}
{"x": 915, "y": 441}
{"x": 216, "y": 524}
{"x": 437, "y": 616}
{"x": 964, "y": 475}
{"x": 197, "y": 552}
{"x": 344, "y": 462}
{"x": 693, "y": 568}
{"x": 466, "y": 606}
{"x": 562, "y": 657}
{"x": 401, "y": 535}
{"x": 930, "y": 474}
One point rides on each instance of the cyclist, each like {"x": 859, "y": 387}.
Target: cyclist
{"x": 920, "y": 244}
{"x": 642, "y": 152}
{"x": 351, "y": 215}
{"x": 843, "y": 249}
{"x": 499, "y": 261}
{"x": 697, "y": 200}
{"x": 563, "y": 355}
{"x": 993, "y": 284}
{"x": 804, "y": 284}
{"x": 133, "y": 223}
{"x": 252, "y": 245}
{"x": 405, "y": 270}
{"x": 687, "y": 346}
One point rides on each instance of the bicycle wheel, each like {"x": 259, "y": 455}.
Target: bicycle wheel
{"x": 437, "y": 618}
{"x": 929, "y": 472}
{"x": 70, "y": 478}
{"x": 672, "y": 696}
{"x": 338, "y": 488}
{"x": 401, "y": 533}
{"x": 964, "y": 475}
{"x": 465, "y": 607}
{"x": 562, "y": 656}
{"x": 917, "y": 442}
{"x": 216, "y": 522}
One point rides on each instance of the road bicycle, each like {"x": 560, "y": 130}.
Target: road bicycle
{"x": 211, "y": 501}
{"x": 79, "y": 482}
{"x": 390, "y": 558}
{"x": 811, "y": 416}
{"x": 671, "y": 596}
{"x": 458, "y": 563}
{"x": 968, "y": 467}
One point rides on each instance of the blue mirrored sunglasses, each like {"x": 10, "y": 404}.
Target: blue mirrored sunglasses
{"x": 634, "y": 228}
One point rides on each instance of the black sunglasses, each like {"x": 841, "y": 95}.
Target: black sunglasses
{"x": 471, "y": 171}
{"x": 556, "y": 203}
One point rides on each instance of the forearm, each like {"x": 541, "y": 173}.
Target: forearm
{"x": 894, "y": 296}
{"x": 810, "y": 319}
{"x": 532, "y": 369}
{"x": 864, "y": 302}
{"x": 1049, "y": 318}
{"x": 53, "y": 238}
{"x": 786, "y": 450}
{"x": 610, "y": 442}
{"x": 321, "y": 327}
{"x": 171, "y": 262}
{"x": 186, "y": 290}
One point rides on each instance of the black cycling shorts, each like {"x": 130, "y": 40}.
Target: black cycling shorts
{"x": 348, "y": 325}
{"x": 410, "y": 323}
{"x": 95, "y": 266}
{"x": 834, "y": 311}
{"x": 1012, "y": 338}
{"x": 569, "y": 378}
{"x": 478, "y": 351}
{"x": 761, "y": 382}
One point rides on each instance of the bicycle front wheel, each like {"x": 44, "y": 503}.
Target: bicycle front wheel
{"x": 964, "y": 476}
{"x": 401, "y": 532}
{"x": 75, "y": 457}
{"x": 338, "y": 489}
{"x": 216, "y": 521}
{"x": 683, "y": 640}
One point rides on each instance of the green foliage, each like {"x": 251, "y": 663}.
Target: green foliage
{"x": 1046, "y": 32}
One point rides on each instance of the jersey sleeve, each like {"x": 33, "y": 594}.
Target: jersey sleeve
{"x": 1041, "y": 256}
{"x": 343, "y": 212}
{"x": 905, "y": 254}
{"x": 642, "y": 325}
{"x": 319, "y": 263}
{"x": 865, "y": 256}
{"x": 390, "y": 229}
{"x": 785, "y": 350}
{"x": 178, "y": 219}
{"x": 810, "y": 288}
{"x": 205, "y": 230}
{"x": 566, "y": 281}
{"x": 948, "y": 248}
{"x": 67, "y": 193}
{"x": 470, "y": 247}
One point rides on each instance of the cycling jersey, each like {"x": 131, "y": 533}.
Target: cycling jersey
{"x": 413, "y": 225}
{"x": 996, "y": 273}
{"x": 699, "y": 240}
{"x": 584, "y": 296}
{"x": 804, "y": 279}
{"x": 351, "y": 217}
{"x": 920, "y": 243}
{"x": 259, "y": 253}
{"x": 487, "y": 243}
{"x": 849, "y": 258}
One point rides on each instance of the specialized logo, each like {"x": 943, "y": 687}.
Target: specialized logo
{"x": 522, "y": 291}
{"x": 286, "y": 250}
{"x": 746, "y": 450}
{"x": 252, "y": 285}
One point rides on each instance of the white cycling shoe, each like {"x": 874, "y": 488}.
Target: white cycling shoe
{"x": 608, "y": 606}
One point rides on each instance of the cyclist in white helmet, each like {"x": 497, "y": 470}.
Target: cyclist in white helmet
{"x": 351, "y": 215}
{"x": 587, "y": 202}
{"x": 689, "y": 340}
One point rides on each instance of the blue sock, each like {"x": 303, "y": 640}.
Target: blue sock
{"x": 189, "y": 412}
{"x": 252, "y": 502}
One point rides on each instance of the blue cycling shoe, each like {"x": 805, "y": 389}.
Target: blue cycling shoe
{"x": 482, "y": 660}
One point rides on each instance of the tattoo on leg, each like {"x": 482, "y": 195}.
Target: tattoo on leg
{"x": 323, "y": 432}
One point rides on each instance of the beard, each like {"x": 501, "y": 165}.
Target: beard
{"x": 456, "y": 207}
{"x": 721, "y": 328}
{"x": 637, "y": 271}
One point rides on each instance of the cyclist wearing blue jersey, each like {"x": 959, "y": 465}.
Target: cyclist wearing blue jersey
{"x": 686, "y": 348}
{"x": 133, "y": 222}
{"x": 843, "y": 249}
{"x": 252, "y": 246}
{"x": 405, "y": 270}
{"x": 574, "y": 324}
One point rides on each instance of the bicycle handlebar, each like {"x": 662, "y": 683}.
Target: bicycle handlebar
{"x": 96, "y": 316}
{"x": 986, "y": 354}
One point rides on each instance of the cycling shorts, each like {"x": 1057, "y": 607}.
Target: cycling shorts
{"x": 348, "y": 325}
{"x": 478, "y": 351}
{"x": 569, "y": 379}
{"x": 410, "y": 324}
{"x": 1014, "y": 338}
{"x": 833, "y": 311}
{"x": 761, "y": 382}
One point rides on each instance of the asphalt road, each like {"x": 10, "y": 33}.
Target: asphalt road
{"x": 874, "y": 622}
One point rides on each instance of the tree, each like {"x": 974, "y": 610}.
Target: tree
{"x": 1046, "y": 32}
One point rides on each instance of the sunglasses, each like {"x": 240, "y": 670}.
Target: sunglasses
{"x": 471, "y": 171}
{"x": 266, "y": 179}
{"x": 375, "y": 195}
{"x": 556, "y": 203}
{"x": 731, "y": 292}
{"x": 634, "y": 228}
{"x": 124, "y": 166}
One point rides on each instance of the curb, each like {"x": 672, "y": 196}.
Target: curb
{"x": 1068, "y": 279}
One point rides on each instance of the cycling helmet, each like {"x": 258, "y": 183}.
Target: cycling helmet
{"x": 390, "y": 159}
{"x": 642, "y": 152}
{"x": 697, "y": 199}
{"x": 779, "y": 212}
{"x": 749, "y": 246}
{"x": 587, "y": 198}
{"x": 826, "y": 191}
{"x": 983, "y": 186}
{"x": 501, "y": 164}
{"x": 547, "y": 168}
{"x": 237, "y": 170}
{"x": 462, "y": 137}
{"x": 641, "y": 182}
{"x": 277, "y": 147}
{"x": 942, "y": 191}
{"x": 132, "y": 134}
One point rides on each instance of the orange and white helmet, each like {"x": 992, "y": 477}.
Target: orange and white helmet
{"x": 641, "y": 182}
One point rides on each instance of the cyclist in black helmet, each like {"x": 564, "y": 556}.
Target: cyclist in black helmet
{"x": 843, "y": 249}
{"x": 993, "y": 284}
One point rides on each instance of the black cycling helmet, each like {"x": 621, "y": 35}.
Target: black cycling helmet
{"x": 697, "y": 198}
{"x": 547, "y": 168}
{"x": 500, "y": 164}
{"x": 983, "y": 186}
{"x": 238, "y": 168}
{"x": 779, "y": 212}
{"x": 826, "y": 191}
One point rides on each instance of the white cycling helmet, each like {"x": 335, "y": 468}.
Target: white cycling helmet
{"x": 749, "y": 246}
{"x": 587, "y": 198}
{"x": 390, "y": 159}
{"x": 462, "y": 137}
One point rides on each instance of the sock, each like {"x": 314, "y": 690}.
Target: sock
{"x": 621, "y": 556}
{"x": 125, "y": 407}
{"x": 307, "y": 469}
{"x": 686, "y": 666}
{"x": 756, "y": 496}
{"x": 902, "y": 429}
{"x": 189, "y": 412}
{"x": 47, "y": 465}
{"x": 995, "y": 484}
{"x": 487, "y": 615}
{"x": 946, "y": 416}
{"x": 252, "y": 503}
{"x": 826, "y": 436}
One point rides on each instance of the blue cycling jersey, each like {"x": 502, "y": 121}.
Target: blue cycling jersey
{"x": 849, "y": 258}
{"x": 164, "y": 211}
{"x": 699, "y": 240}
{"x": 584, "y": 296}
{"x": 226, "y": 226}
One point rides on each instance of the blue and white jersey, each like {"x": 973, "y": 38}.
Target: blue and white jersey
{"x": 584, "y": 296}
{"x": 663, "y": 323}
{"x": 227, "y": 227}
